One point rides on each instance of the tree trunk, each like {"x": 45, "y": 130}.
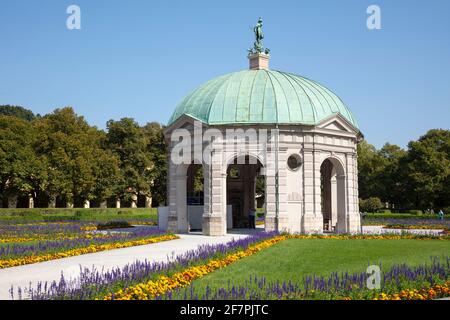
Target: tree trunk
{"x": 134, "y": 200}
{"x": 30, "y": 202}
{"x": 148, "y": 202}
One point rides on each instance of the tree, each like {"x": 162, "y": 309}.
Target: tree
{"x": 428, "y": 169}
{"x": 157, "y": 149}
{"x": 390, "y": 176}
{"x": 78, "y": 166}
{"x": 369, "y": 165}
{"x": 130, "y": 144}
{"x": 18, "y": 163}
{"x": 18, "y": 112}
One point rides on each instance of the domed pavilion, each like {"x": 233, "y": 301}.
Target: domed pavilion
{"x": 268, "y": 139}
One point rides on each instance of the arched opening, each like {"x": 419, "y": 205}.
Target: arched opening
{"x": 194, "y": 196}
{"x": 245, "y": 193}
{"x": 332, "y": 187}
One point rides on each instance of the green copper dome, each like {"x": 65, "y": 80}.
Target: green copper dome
{"x": 261, "y": 97}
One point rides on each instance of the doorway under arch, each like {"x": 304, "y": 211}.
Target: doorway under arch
{"x": 243, "y": 190}
{"x": 333, "y": 204}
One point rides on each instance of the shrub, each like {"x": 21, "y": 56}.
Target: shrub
{"x": 114, "y": 225}
{"x": 370, "y": 205}
{"x": 417, "y": 212}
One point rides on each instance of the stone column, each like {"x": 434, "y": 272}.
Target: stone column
{"x": 12, "y": 201}
{"x": 117, "y": 203}
{"x": 342, "y": 214}
{"x": 312, "y": 218}
{"x": 172, "y": 222}
{"x": 353, "y": 217}
{"x": 181, "y": 210}
{"x": 333, "y": 200}
{"x": 87, "y": 204}
{"x": 214, "y": 217}
{"x": 276, "y": 221}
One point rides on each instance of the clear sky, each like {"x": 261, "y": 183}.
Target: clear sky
{"x": 139, "y": 58}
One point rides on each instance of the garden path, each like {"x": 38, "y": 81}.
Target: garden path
{"x": 21, "y": 276}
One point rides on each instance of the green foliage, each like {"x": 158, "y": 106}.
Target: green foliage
{"x": 428, "y": 169}
{"x": 114, "y": 225}
{"x": 78, "y": 214}
{"x": 129, "y": 143}
{"x": 18, "y": 112}
{"x": 198, "y": 179}
{"x": 370, "y": 205}
{"x": 60, "y": 156}
{"x": 157, "y": 149}
{"x": 417, "y": 178}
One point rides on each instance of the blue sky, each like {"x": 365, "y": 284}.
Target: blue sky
{"x": 140, "y": 58}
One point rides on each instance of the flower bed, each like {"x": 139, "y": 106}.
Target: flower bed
{"x": 443, "y": 227}
{"x": 94, "y": 284}
{"x": 400, "y": 282}
{"x": 434, "y": 292}
{"x": 154, "y": 288}
{"x": 163, "y": 284}
{"x": 146, "y": 280}
{"x": 7, "y": 263}
{"x": 31, "y": 243}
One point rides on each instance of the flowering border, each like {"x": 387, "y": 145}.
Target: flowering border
{"x": 7, "y": 263}
{"x": 435, "y": 292}
{"x": 163, "y": 284}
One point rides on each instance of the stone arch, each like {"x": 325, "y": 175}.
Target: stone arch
{"x": 229, "y": 158}
{"x": 333, "y": 195}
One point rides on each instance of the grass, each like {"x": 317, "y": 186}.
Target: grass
{"x": 75, "y": 214}
{"x": 403, "y": 216}
{"x": 295, "y": 258}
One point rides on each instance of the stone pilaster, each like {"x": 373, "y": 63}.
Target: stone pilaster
{"x": 214, "y": 216}
{"x": 277, "y": 214}
{"x": 172, "y": 223}
{"x": 312, "y": 218}
{"x": 353, "y": 217}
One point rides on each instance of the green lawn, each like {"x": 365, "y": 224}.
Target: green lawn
{"x": 293, "y": 259}
{"x": 75, "y": 214}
